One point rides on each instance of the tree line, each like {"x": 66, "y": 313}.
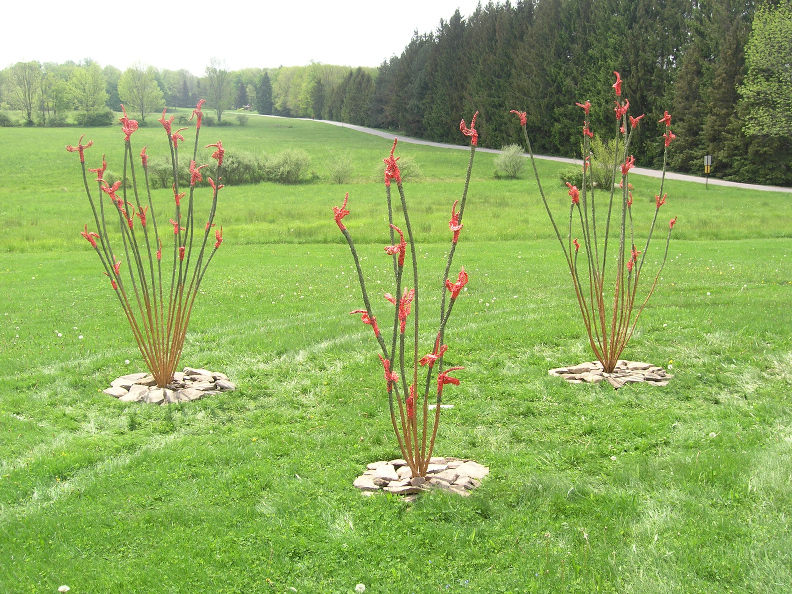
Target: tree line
{"x": 722, "y": 68}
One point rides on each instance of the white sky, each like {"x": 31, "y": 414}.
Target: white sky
{"x": 179, "y": 34}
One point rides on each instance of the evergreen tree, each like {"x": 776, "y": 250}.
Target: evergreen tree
{"x": 264, "y": 95}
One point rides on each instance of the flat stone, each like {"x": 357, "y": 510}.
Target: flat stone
{"x": 147, "y": 380}
{"x": 387, "y": 472}
{"x": 615, "y": 382}
{"x": 138, "y": 392}
{"x": 439, "y": 483}
{"x": 448, "y": 475}
{"x": 365, "y": 483}
{"x": 375, "y": 465}
{"x": 380, "y": 482}
{"x": 156, "y": 396}
{"x": 192, "y": 393}
{"x": 398, "y": 462}
{"x": 404, "y": 472}
{"x": 435, "y": 468}
{"x": 463, "y": 480}
{"x": 133, "y": 396}
{"x": 459, "y": 490}
{"x": 116, "y": 391}
{"x": 473, "y": 470}
{"x": 134, "y": 377}
{"x": 402, "y": 490}
{"x": 637, "y": 365}
{"x": 417, "y": 481}
{"x": 203, "y": 386}
{"x": 178, "y": 376}
{"x": 225, "y": 385}
{"x": 219, "y": 376}
{"x": 199, "y": 371}
{"x": 455, "y": 463}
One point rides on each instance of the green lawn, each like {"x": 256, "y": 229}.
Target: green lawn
{"x": 683, "y": 488}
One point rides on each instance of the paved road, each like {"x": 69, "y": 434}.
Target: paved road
{"x": 634, "y": 171}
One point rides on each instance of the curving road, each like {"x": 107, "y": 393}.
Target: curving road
{"x": 634, "y": 171}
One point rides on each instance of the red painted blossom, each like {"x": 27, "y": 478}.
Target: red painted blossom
{"x": 443, "y": 379}
{"x": 621, "y": 109}
{"x": 166, "y": 123}
{"x": 574, "y": 192}
{"x": 405, "y": 304}
{"x": 91, "y": 237}
{"x": 181, "y": 252}
{"x": 144, "y": 157}
{"x": 340, "y": 212}
{"x": 116, "y": 266}
{"x": 669, "y": 136}
{"x": 666, "y": 118}
{"x": 218, "y": 237}
{"x": 672, "y": 222}
{"x": 177, "y": 196}
{"x": 629, "y": 199}
{"x": 630, "y": 265}
{"x": 585, "y": 106}
{"x": 219, "y": 152}
{"x": 215, "y": 187}
{"x": 195, "y": 173}
{"x": 617, "y": 85}
{"x": 127, "y": 126}
{"x": 80, "y": 148}
{"x": 471, "y": 132}
{"x": 432, "y": 357}
{"x": 577, "y": 245}
{"x": 390, "y": 376}
{"x": 176, "y": 137}
{"x": 522, "y": 115}
{"x": 142, "y": 216}
{"x": 131, "y": 216}
{"x": 391, "y": 168}
{"x": 634, "y": 253}
{"x": 634, "y": 121}
{"x": 587, "y": 132}
{"x": 455, "y": 288}
{"x": 100, "y": 171}
{"x": 112, "y": 281}
{"x": 627, "y": 165}
{"x": 176, "y": 227}
{"x": 208, "y": 226}
{"x": 159, "y": 250}
{"x": 400, "y": 248}
{"x": 660, "y": 201}
{"x": 198, "y": 114}
{"x": 111, "y": 190}
{"x": 410, "y": 402}
{"x": 367, "y": 319}
{"x": 454, "y": 223}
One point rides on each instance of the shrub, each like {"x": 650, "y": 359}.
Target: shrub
{"x": 112, "y": 177}
{"x": 288, "y": 167}
{"x": 340, "y": 169}
{"x": 242, "y": 118}
{"x": 5, "y": 120}
{"x": 104, "y": 117}
{"x": 510, "y": 161}
{"x": 242, "y": 167}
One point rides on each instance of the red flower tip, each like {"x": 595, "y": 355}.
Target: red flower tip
{"x": 666, "y": 118}
{"x": 159, "y": 250}
{"x": 390, "y": 376}
{"x": 669, "y": 136}
{"x": 574, "y": 192}
{"x": 198, "y": 114}
{"x": 471, "y": 132}
{"x": 522, "y": 115}
{"x": 629, "y": 198}
{"x": 116, "y": 266}
{"x": 630, "y": 265}
{"x": 628, "y": 164}
{"x": 80, "y": 148}
{"x": 443, "y": 379}
{"x": 455, "y": 288}
{"x": 219, "y": 152}
{"x": 454, "y": 223}
{"x": 634, "y": 121}
{"x": 178, "y": 196}
{"x": 215, "y": 187}
{"x": 672, "y": 222}
{"x": 176, "y": 137}
{"x": 181, "y": 253}
{"x": 587, "y": 132}
{"x": 621, "y": 109}
{"x": 391, "y": 168}
{"x": 432, "y": 357}
{"x": 195, "y": 173}
{"x": 410, "y": 402}
{"x": 127, "y": 126}
{"x": 166, "y": 123}
{"x": 577, "y": 245}
{"x": 660, "y": 201}
{"x": 367, "y": 319}
{"x": 400, "y": 248}
{"x": 617, "y": 85}
{"x": 99, "y": 171}
{"x": 144, "y": 157}
{"x": 585, "y": 106}
{"x": 176, "y": 227}
{"x": 340, "y": 212}
{"x": 405, "y": 304}
{"x": 91, "y": 237}
{"x": 218, "y": 237}
{"x": 142, "y": 216}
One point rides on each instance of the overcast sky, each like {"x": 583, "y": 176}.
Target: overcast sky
{"x": 178, "y": 34}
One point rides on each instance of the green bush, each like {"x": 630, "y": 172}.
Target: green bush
{"x": 111, "y": 177}
{"x": 288, "y": 167}
{"x": 104, "y": 117}
{"x": 603, "y": 153}
{"x": 510, "y": 161}
{"x": 242, "y": 118}
{"x": 242, "y": 167}
{"x": 341, "y": 169}
{"x": 5, "y": 120}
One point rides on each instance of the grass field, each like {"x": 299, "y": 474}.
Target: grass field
{"x": 683, "y": 488}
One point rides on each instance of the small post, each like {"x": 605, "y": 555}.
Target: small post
{"x": 707, "y": 167}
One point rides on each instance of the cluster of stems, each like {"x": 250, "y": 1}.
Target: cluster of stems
{"x": 607, "y": 285}
{"x": 407, "y": 399}
{"x": 156, "y": 297}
